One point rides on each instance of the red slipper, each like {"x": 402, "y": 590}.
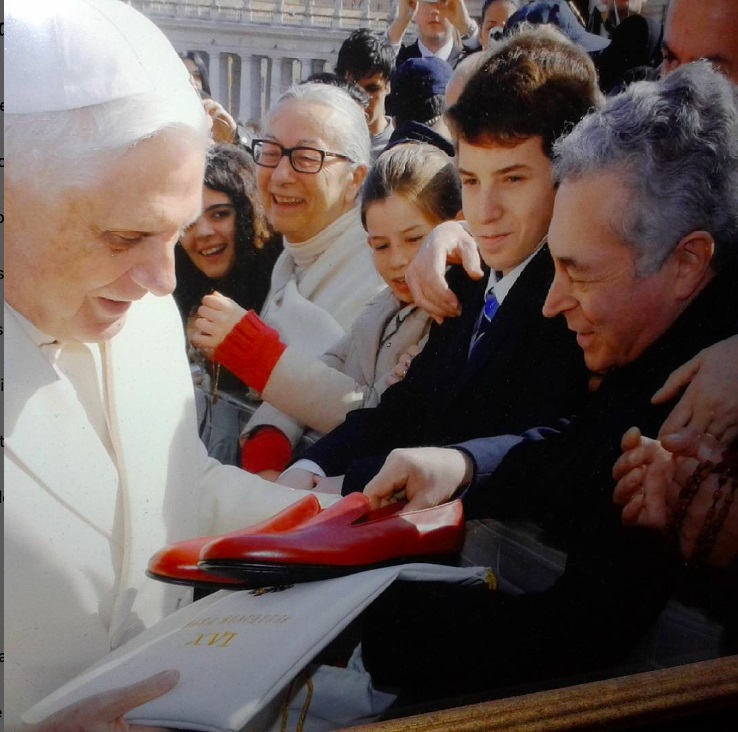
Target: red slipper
{"x": 346, "y": 537}
{"x": 177, "y": 563}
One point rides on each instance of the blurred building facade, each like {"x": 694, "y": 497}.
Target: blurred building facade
{"x": 255, "y": 49}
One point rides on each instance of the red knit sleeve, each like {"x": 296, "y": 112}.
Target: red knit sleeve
{"x": 267, "y": 449}
{"x": 251, "y": 351}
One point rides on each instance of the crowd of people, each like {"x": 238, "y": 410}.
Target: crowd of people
{"x": 496, "y": 264}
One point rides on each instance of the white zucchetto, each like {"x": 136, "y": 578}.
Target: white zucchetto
{"x": 68, "y": 54}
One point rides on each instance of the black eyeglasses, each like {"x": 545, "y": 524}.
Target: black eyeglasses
{"x": 303, "y": 159}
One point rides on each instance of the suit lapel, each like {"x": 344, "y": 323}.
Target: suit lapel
{"x": 523, "y": 302}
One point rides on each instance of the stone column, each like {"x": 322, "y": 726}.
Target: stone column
{"x": 245, "y": 107}
{"x": 275, "y": 87}
{"x": 214, "y": 72}
{"x": 337, "y": 13}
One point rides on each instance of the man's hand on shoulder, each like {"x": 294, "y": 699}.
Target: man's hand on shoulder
{"x": 710, "y": 401}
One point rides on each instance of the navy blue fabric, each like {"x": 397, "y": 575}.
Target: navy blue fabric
{"x": 616, "y": 581}
{"x": 527, "y": 371}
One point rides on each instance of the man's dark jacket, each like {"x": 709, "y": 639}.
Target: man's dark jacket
{"x": 527, "y": 371}
{"x": 430, "y": 640}
{"x": 412, "y": 50}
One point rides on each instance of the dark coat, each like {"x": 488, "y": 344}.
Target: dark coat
{"x": 527, "y": 371}
{"x": 616, "y": 581}
{"x": 412, "y": 50}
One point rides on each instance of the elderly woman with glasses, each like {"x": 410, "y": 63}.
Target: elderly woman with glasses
{"x": 311, "y": 163}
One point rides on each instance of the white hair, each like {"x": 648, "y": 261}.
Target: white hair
{"x": 348, "y": 122}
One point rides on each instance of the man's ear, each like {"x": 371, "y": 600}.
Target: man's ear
{"x": 692, "y": 259}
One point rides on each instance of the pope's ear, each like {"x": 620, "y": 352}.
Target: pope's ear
{"x": 693, "y": 258}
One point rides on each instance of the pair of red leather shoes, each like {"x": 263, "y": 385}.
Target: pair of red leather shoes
{"x": 303, "y": 544}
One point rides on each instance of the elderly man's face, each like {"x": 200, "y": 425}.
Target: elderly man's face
{"x": 615, "y": 314}
{"x": 80, "y": 261}
{"x": 300, "y": 205}
{"x": 696, "y": 29}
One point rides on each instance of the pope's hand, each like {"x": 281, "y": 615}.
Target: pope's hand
{"x": 106, "y": 712}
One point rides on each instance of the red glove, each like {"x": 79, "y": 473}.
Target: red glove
{"x": 251, "y": 351}
{"x": 267, "y": 448}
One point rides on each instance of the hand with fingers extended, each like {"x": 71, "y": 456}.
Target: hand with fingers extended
{"x": 684, "y": 485}
{"x": 106, "y": 712}
{"x": 424, "y": 476}
{"x": 710, "y": 402}
{"x": 448, "y": 243}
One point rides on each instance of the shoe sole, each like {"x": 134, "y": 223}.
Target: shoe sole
{"x": 262, "y": 574}
{"x": 204, "y": 584}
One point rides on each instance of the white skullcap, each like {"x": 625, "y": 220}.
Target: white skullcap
{"x": 67, "y": 54}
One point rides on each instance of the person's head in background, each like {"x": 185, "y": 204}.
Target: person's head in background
{"x": 107, "y": 167}
{"x": 418, "y": 93}
{"x": 312, "y": 159}
{"x": 494, "y": 17}
{"x": 198, "y": 70}
{"x": 368, "y": 60}
{"x": 219, "y": 249}
{"x": 529, "y": 91}
{"x": 409, "y": 190}
{"x": 702, "y": 30}
{"x": 465, "y": 69}
{"x": 557, "y": 13}
{"x": 434, "y": 28}
{"x": 616, "y": 11}
{"x": 356, "y": 92}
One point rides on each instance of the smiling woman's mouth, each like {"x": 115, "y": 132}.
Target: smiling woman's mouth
{"x": 212, "y": 251}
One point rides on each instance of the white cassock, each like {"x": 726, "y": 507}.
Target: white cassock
{"x": 99, "y": 474}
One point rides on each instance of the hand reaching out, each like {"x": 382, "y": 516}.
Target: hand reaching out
{"x": 654, "y": 480}
{"x": 425, "y": 476}
{"x": 216, "y": 317}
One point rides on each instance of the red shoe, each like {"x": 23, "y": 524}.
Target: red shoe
{"x": 177, "y": 563}
{"x": 346, "y": 537}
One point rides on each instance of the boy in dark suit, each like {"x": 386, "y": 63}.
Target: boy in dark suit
{"x": 501, "y": 366}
